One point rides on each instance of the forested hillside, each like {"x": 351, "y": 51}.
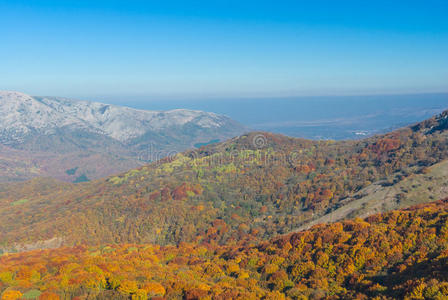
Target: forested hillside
{"x": 248, "y": 188}
{"x": 397, "y": 255}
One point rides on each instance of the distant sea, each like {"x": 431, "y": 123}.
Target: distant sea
{"x": 339, "y": 117}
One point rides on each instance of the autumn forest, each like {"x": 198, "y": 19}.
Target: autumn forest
{"x": 240, "y": 219}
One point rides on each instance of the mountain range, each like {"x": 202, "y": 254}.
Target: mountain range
{"x": 241, "y": 219}
{"x": 79, "y": 140}
{"x": 250, "y": 187}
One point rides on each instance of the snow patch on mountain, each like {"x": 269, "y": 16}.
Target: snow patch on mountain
{"x": 21, "y": 114}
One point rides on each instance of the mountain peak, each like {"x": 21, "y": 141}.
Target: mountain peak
{"x": 14, "y": 99}
{"x": 13, "y": 95}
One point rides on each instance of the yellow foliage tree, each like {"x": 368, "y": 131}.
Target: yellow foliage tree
{"x": 128, "y": 287}
{"x": 154, "y": 289}
{"x": 11, "y": 295}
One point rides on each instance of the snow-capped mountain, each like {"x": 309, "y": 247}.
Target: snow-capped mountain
{"x": 64, "y": 126}
{"x": 21, "y": 114}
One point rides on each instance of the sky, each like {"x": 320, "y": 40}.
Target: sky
{"x": 218, "y": 49}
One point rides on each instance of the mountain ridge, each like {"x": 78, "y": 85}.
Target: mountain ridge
{"x": 45, "y": 127}
{"x": 97, "y": 116}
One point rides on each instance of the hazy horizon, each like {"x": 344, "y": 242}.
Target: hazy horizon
{"x": 313, "y": 117}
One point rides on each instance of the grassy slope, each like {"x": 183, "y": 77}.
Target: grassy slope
{"x": 376, "y": 198}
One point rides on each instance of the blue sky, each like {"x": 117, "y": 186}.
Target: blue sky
{"x": 218, "y": 49}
